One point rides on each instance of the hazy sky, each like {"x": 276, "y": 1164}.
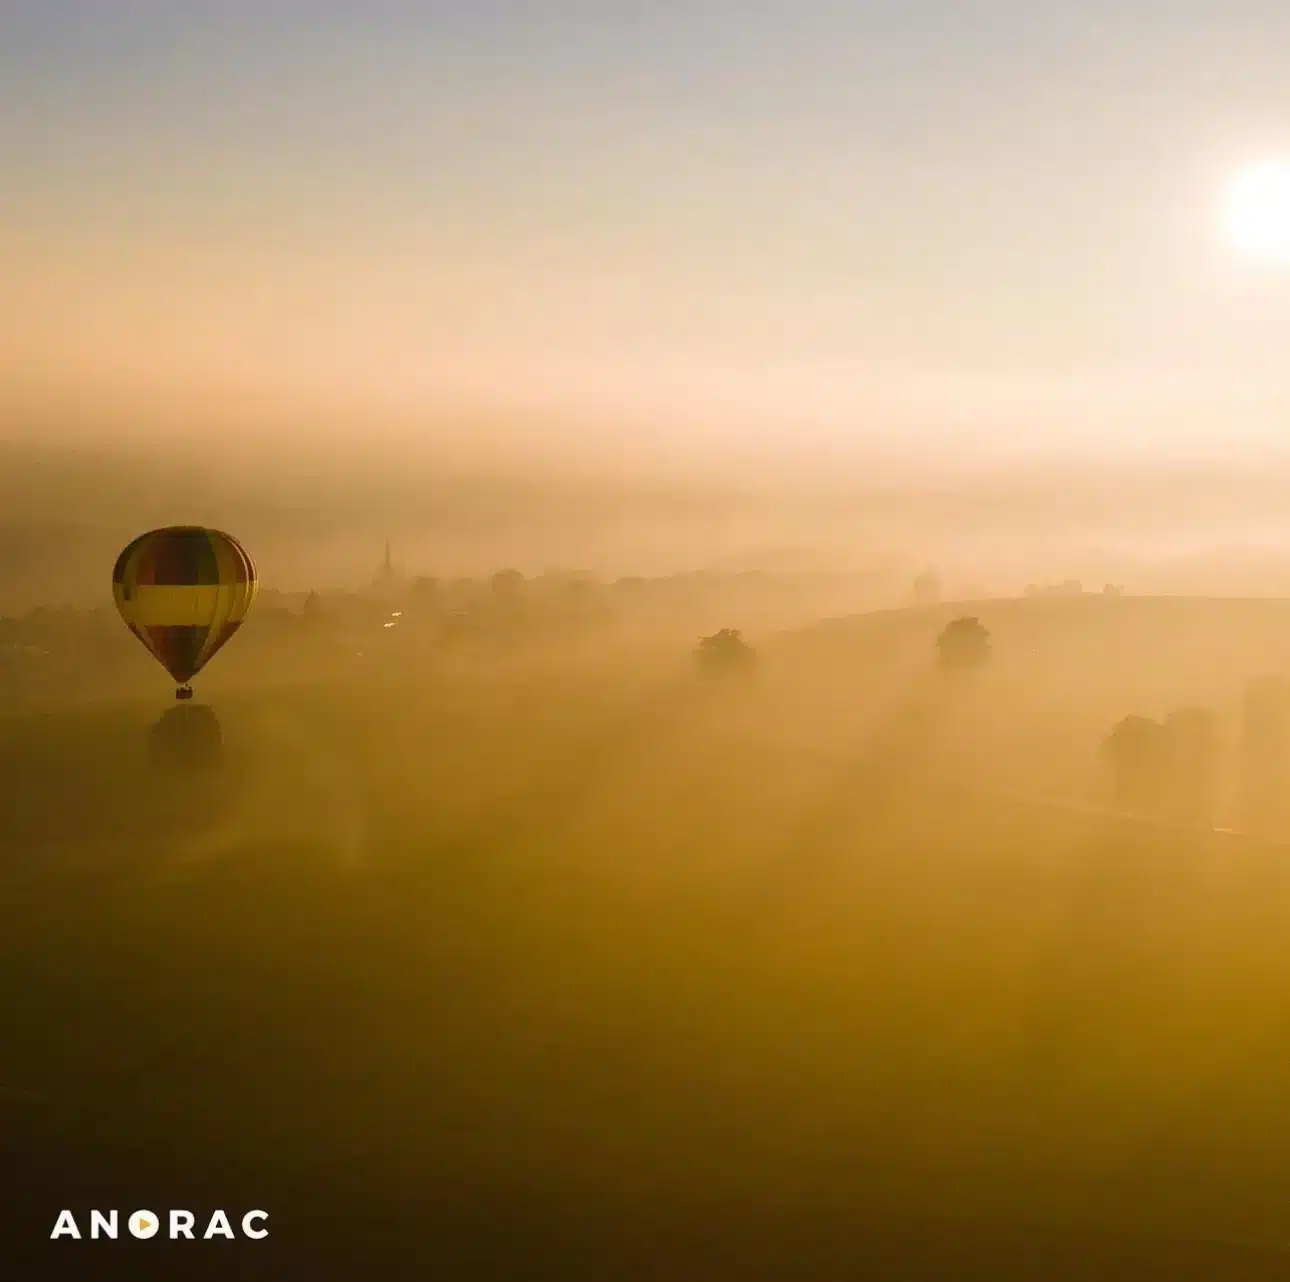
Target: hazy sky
{"x": 796, "y": 223}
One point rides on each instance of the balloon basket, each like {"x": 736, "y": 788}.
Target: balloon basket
{"x": 184, "y": 692}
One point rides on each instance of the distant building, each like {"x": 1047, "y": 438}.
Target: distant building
{"x": 1071, "y": 587}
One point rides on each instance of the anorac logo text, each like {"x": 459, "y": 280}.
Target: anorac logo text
{"x": 146, "y": 1224}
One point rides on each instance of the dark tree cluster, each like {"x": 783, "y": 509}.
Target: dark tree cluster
{"x": 725, "y": 651}
{"x": 1168, "y": 766}
{"x": 963, "y": 644}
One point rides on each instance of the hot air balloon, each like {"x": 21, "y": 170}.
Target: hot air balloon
{"x": 183, "y": 591}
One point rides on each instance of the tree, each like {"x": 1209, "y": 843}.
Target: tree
{"x": 963, "y": 643}
{"x": 314, "y": 618}
{"x": 187, "y": 737}
{"x": 725, "y": 651}
{"x": 1136, "y": 752}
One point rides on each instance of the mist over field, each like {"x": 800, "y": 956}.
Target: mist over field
{"x": 319, "y": 508}
{"x": 494, "y": 900}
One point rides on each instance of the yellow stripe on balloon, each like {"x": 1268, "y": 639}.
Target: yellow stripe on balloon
{"x": 153, "y": 605}
{"x": 234, "y": 601}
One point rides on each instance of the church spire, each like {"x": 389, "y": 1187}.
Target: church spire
{"x": 387, "y": 579}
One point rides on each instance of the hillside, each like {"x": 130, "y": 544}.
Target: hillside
{"x": 598, "y": 927}
{"x": 591, "y": 937}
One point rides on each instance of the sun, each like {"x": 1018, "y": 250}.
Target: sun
{"x": 1256, "y": 214}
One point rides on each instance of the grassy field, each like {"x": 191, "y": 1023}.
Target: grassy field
{"x": 600, "y": 939}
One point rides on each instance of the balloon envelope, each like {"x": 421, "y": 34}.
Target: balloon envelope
{"x": 184, "y": 591}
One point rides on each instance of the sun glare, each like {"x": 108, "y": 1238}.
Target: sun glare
{"x": 1257, "y": 213}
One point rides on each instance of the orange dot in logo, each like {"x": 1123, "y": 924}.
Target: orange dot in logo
{"x": 144, "y": 1224}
